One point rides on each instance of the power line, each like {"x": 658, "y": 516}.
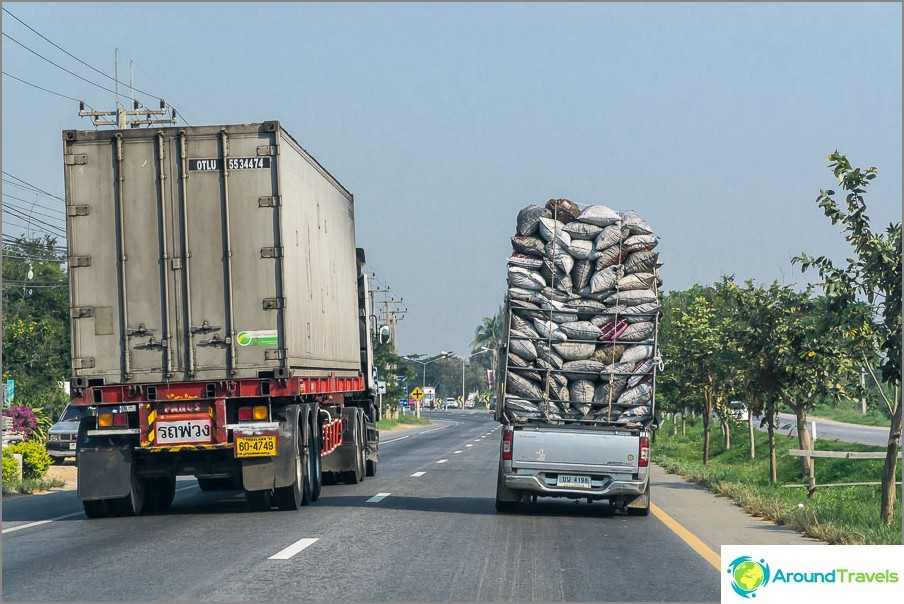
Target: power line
{"x": 31, "y": 219}
{"x": 89, "y": 66}
{"x": 31, "y": 209}
{"x": 6, "y": 35}
{"x": 42, "y": 88}
{"x": 31, "y": 227}
{"x": 39, "y": 190}
{"x": 26, "y": 189}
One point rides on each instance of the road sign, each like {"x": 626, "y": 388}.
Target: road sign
{"x": 459, "y": 400}
{"x": 9, "y": 391}
{"x": 417, "y": 394}
{"x": 401, "y": 378}
{"x": 381, "y": 387}
{"x": 486, "y": 398}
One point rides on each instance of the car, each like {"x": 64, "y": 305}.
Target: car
{"x": 451, "y": 403}
{"x": 739, "y": 410}
{"x": 62, "y": 436}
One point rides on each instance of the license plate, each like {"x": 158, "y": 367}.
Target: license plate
{"x": 72, "y": 446}
{"x": 255, "y": 446}
{"x": 184, "y": 432}
{"x": 571, "y": 481}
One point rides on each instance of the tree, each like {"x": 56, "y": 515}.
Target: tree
{"x": 489, "y": 333}
{"x": 36, "y": 349}
{"x": 874, "y": 274}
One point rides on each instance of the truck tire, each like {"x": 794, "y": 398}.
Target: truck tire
{"x": 316, "y": 447}
{"x": 159, "y": 494}
{"x": 133, "y": 503}
{"x": 506, "y": 499}
{"x": 292, "y": 497}
{"x": 371, "y": 465}
{"x": 640, "y": 506}
{"x": 96, "y": 508}
{"x": 357, "y": 475}
{"x": 259, "y": 501}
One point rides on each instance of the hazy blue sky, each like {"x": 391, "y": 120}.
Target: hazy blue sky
{"x": 711, "y": 120}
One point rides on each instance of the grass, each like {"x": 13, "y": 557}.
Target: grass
{"x": 853, "y": 415}
{"x": 402, "y": 420}
{"x": 31, "y": 485}
{"x": 836, "y": 515}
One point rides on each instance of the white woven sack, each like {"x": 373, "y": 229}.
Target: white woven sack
{"x": 574, "y": 351}
{"x": 529, "y": 218}
{"x": 637, "y": 353}
{"x": 599, "y": 215}
{"x": 550, "y": 229}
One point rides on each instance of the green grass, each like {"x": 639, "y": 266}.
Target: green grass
{"x": 853, "y": 415}
{"x": 836, "y": 515}
{"x": 31, "y": 485}
{"x": 402, "y": 420}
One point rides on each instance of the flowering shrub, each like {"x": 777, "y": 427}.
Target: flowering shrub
{"x": 25, "y": 422}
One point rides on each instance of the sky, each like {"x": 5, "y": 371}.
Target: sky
{"x": 711, "y": 120}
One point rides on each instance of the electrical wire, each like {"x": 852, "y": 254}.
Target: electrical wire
{"x": 32, "y": 210}
{"x": 44, "y": 89}
{"x": 39, "y": 190}
{"x": 88, "y": 65}
{"x": 32, "y": 220}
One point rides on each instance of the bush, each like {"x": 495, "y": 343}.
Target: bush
{"x": 10, "y": 468}
{"x": 35, "y": 459}
{"x": 25, "y": 422}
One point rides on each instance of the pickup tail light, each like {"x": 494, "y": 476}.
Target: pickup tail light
{"x": 643, "y": 457}
{"x": 507, "y": 441}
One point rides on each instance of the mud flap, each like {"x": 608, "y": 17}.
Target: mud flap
{"x": 264, "y": 473}
{"x": 104, "y": 474}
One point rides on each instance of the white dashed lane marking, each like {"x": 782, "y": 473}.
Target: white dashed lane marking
{"x": 293, "y": 549}
{"x": 442, "y": 461}
{"x": 378, "y": 497}
{"x": 418, "y": 474}
{"x": 469, "y": 445}
{"x": 456, "y": 451}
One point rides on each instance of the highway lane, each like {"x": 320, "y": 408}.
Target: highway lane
{"x": 827, "y": 429}
{"x": 423, "y": 529}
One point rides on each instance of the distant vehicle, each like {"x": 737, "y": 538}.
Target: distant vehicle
{"x": 451, "y": 403}
{"x": 739, "y": 410}
{"x": 62, "y": 436}
{"x": 469, "y": 404}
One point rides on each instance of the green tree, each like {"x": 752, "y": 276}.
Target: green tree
{"x": 36, "y": 321}
{"x": 874, "y": 274}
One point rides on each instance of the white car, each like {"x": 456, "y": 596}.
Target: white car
{"x": 451, "y": 403}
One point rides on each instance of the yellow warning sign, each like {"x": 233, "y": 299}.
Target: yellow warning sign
{"x": 417, "y": 394}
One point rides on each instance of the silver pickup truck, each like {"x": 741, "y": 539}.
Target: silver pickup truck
{"x": 577, "y": 462}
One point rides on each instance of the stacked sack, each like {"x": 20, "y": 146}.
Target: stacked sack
{"x": 583, "y": 291}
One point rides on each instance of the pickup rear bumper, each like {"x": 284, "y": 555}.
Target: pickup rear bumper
{"x": 538, "y": 483}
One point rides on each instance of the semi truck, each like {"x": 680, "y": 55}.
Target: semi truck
{"x": 578, "y": 360}
{"x": 219, "y": 318}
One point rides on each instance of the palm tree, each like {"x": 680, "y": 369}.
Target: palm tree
{"x": 489, "y": 333}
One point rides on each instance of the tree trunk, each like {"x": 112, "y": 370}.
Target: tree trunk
{"x": 750, "y": 433}
{"x": 707, "y": 422}
{"x": 773, "y": 471}
{"x": 684, "y": 422}
{"x": 890, "y": 468}
{"x": 726, "y": 434}
{"x": 803, "y": 437}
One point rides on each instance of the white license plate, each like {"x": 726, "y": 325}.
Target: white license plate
{"x": 72, "y": 446}
{"x": 183, "y": 432}
{"x": 571, "y": 481}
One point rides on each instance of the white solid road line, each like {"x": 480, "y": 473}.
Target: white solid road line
{"x": 386, "y": 442}
{"x": 293, "y": 549}
{"x": 442, "y": 461}
{"x": 378, "y": 497}
{"x": 40, "y": 522}
{"x": 435, "y": 429}
{"x": 418, "y": 474}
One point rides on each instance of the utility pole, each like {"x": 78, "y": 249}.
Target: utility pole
{"x": 131, "y": 118}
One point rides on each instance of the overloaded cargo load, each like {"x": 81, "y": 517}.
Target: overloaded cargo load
{"x": 583, "y": 306}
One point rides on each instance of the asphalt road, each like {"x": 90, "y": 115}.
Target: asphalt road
{"x": 424, "y": 529}
{"x": 827, "y": 429}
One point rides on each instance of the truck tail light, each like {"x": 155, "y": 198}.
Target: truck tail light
{"x": 643, "y": 457}
{"x": 104, "y": 420}
{"x": 120, "y": 420}
{"x": 507, "y": 440}
{"x": 258, "y": 412}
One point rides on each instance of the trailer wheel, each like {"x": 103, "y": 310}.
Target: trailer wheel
{"x": 292, "y": 497}
{"x": 259, "y": 501}
{"x": 133, "y": 503}
{"x": 96, "y": 508}
{"x": 159, "y": 494}
{"x": 316, "y": 447}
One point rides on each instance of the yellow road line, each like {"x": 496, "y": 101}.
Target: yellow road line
{"x": 688, "y": 537}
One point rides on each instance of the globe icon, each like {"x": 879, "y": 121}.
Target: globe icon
{"x": 748, "y": 575}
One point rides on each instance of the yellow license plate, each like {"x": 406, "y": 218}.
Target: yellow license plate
{"x": 255, "y": 446}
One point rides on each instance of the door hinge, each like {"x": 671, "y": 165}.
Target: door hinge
{"x": 81, "y": 312}
{"x": 77, "y": 210}
{"x": 275, "y": 354}
{"x": 271, "y": 252}
{"x": 271, "y": 201}
{"x": 75, "y": 159}
{"x": 268, "y": 150}
{"x": 83, "y": 363}
{"x": 274, "y": 303}
{"x": 75, "y": 261}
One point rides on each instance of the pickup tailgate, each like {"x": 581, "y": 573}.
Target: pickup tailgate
{"x": 560, "y": 448}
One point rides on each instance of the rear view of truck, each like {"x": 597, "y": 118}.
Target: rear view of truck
{"x": 580, "y": 357}
{"x": 219, "y": 318}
